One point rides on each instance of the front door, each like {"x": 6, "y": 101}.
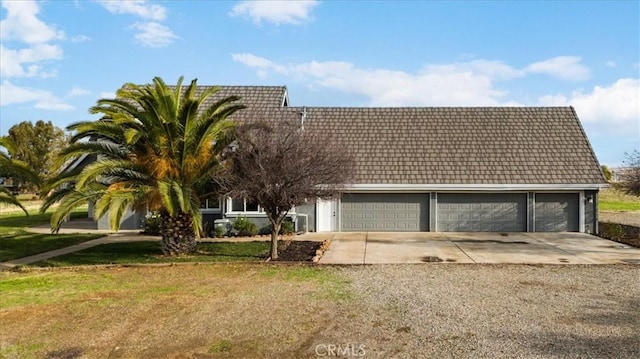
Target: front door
{"x": 326, "y": 215}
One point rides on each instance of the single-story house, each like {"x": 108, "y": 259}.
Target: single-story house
{"x": 460, "y": 169}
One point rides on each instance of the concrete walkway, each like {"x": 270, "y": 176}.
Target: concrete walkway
{"x": 525, "y": 248}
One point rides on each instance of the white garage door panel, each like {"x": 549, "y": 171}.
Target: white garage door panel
{"x": 385, "y": 212}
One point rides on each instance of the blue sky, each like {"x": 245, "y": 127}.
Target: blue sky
{"x": 58, "y": 57}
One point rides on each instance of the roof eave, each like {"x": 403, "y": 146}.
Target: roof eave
{"x": 367, "y": 187}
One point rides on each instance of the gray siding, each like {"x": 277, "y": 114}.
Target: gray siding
{"x": 591, "y": 213}
{"x": 130, "y": 220}
{"x": 482, "y": 212}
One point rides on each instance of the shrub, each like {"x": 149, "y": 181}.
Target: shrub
{"x": 266, "y": 229}
{"x": 245, "y": 227}
{"x": 152, "y": 223}
{"x": 613, "y": 231}
{"x": 219, "y": 231}
{"x": 287, "y": 228}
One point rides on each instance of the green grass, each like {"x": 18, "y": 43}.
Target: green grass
{"x": 335, "y": 287}
{"x": 17, "y": 242}
{"x": 18, "y": 220}
{"x": 21, "y": 243}
{"x": 149, "y": 252}
{"x": 613, "y": 199}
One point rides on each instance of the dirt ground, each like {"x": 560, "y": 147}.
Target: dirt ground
{"x": 631, "y": 218}
{"x": 294, "y": 311}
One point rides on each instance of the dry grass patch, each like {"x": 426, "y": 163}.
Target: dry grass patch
{"x": 203, "y": 311}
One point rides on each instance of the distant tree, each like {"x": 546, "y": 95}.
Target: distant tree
{"x": 606, "y": 172}
{"x": 630, "y": 176}
{"x": 37, "y": 145}
{"x": 15, "y": 169}
{"x": 156, "y": 147}
{"x": 278, "y": 165}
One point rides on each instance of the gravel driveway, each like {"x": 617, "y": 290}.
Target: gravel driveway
{"x": 491, "y": 311}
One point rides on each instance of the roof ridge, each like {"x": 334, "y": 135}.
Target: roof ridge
{"x": 433, "y": 107}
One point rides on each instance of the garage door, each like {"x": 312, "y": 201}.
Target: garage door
{"x": 557, "y": 212}
{"x": 385, "y": 212}
{"x": 482, "y": 212}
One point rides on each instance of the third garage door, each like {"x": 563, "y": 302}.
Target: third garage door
{"x": 385, "y": 212}
{"x": 557, "y": 212}
{"x": 482, "y": 212}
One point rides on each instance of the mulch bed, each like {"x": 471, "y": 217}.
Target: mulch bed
{"x": 297, "y": 251}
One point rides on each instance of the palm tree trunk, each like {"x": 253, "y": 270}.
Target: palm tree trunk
{"x": 178, "y": 236}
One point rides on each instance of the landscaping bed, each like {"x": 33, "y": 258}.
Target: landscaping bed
{"x": 621, "y": 233}
{"x": 297, "y": 251}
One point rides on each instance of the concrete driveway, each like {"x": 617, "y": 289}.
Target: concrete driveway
{"x": 531, "y": 248}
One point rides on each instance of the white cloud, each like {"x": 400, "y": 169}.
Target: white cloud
{"x": 153, "y": 34}
{"x": 12, "y": 94}
{"x": 140, "y": 8}
{"x": 106, "y": 95}
{"x": 460, "y": 84}
{"x": 80, "y": 38}
{"x": 26, "y": 62}
{"x": 258, "y": 62}
{"x": 562, "y": 67}
{"x": 22, "y": 24}
{"x": 150, "y": 32}
{"x": 610, "y": 64}
{"x": 77, "y": 91}
{"x": 493, "y": 69}
{"x": 614, "y": 108}
{"x": 276, "y": 11}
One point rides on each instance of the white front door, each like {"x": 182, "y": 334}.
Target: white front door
{"x": 326, "y": 219}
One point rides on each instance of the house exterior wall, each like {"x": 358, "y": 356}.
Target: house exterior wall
{"x": 591, "y": 212}
{"x": 130, "y": 220}
{"x": 570, "y": 210}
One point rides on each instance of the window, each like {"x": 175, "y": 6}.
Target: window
{"x": 243, "y": 205}
{"x": 210, "y": 203}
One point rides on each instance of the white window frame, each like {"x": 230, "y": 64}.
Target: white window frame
{"x": 244, "y": 210}
{"x": 207, "y": 209}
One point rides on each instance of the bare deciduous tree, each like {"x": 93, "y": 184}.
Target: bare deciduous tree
{"x": 279, "y": 165}
{"x": 630, "y": 177}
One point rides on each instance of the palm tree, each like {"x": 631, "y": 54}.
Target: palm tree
{"x": 156, "y": 147}
{"x": 15, "y": 169}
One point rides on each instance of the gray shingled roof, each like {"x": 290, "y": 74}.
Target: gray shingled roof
{"x": 442, "y": 145}
{"x": 491, "y": 145}
{"x": 258, "y": 99}
{"x": 254, "y": 97}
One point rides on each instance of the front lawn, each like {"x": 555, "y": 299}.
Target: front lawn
{"x": 194, "y": 311}
{"x": 149, "y": 252}
{"x": 20, "y": 243}
{"x": 17, "y": 242}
